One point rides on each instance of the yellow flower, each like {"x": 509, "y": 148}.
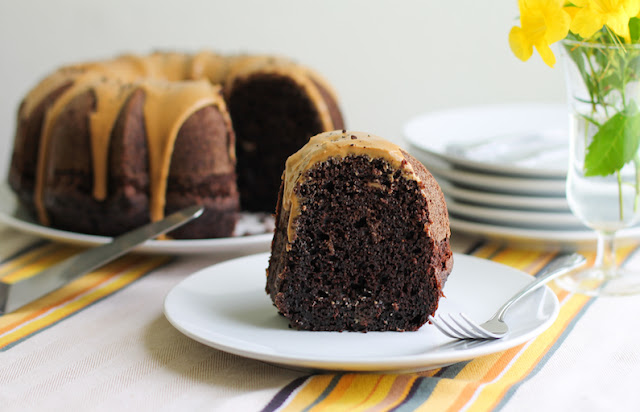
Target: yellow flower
{"x": 592, "y": 15}
{"x": 543, "y": 22}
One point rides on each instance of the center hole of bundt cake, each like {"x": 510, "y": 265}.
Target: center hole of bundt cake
{"x": 273, "y": 118}
{"x": 360, "y": 255}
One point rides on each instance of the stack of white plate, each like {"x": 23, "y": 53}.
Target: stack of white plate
{"x": 502, "y": 169}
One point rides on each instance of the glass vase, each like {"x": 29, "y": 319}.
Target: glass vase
{"x": 603, "y": 179}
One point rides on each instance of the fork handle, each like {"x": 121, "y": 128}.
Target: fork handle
{"x": 559, "y": 266}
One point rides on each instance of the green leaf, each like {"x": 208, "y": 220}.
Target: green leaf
{"x": 634, "y": 29}
{"x": 615, "y": 144}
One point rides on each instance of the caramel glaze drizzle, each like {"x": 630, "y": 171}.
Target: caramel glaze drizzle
{"x": 167, "y": 106}
{"x": 175, "y": 85}
{"x": 109, "y": 99}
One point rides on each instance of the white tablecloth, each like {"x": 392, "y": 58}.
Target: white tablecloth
{"x": 121, "y": 354}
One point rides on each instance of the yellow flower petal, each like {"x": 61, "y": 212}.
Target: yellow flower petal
{"x": 571, "y": 11}
{"x": 632, "y": 7}
{"x": 543, "y": 22}
{"x": 519, "y": 44}
{"x": 586, "y": 22}
{"x": 557, "y": 23}
{"x": 619, "y": 23}
{"x": 546, "y": 53}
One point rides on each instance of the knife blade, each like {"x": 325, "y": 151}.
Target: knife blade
{"x": 18, "y": 294}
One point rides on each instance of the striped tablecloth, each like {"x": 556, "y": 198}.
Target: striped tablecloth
{"x": 102, "y": 343}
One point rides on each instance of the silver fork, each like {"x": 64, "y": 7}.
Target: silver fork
{"x": 461, "y": 327}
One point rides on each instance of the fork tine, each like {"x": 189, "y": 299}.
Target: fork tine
{"x": 482, "y": 334}
{"x": 439, "y": 325}
{"x": 468, "y": 333}
{"x": 461, "y": 333}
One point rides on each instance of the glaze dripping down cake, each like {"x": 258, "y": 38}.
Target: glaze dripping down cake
{"x": 362, "y": 237}
{"x": 104, "y": 147}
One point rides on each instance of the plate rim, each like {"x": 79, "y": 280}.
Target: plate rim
{"x": 476, "y": 165}
{"x": 511, "y": 201}
{"x": 499, "y": 184}
{"x": 249, "y": 243}
{"x": 538, "y": 235}
{"x": 492, "y": 215}
{"x": 423, "y": 361}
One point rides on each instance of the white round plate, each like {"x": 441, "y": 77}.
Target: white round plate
{"x": 12, "y": 215}
{"x": 505, "y": 201}
{"x": 491, "y": 182}
{"x": 511, "y": 139}
{"x": 225, "y": 306}
{"x": 539, "y": 238}
{"x": 517, "y": 218}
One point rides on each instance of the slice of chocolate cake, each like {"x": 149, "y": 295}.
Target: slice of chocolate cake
{"x": 362, "y": 237}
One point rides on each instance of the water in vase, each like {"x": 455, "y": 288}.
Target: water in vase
{"x": 604, "y": 203}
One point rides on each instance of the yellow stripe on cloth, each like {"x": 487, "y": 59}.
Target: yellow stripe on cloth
{"x": 487, "y": 250}
{"x": 360, "y": 392}
{"x": 69, "y": 299}
{"x": 337, "y": 394}
{"x": 309, "y": 393}
{"x": 352, "y": 392}
{"x": 35, "y": 261}
{"x": 398, "y": 390}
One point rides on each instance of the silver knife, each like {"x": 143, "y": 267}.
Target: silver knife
{"x": 18, "y": 294}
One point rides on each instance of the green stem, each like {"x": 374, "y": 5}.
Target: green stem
{"x": 591, "y": 120}
{"x": 623, "y": 89}
{"x": 636, "y": 165}
{"x": 621, "y": 205}
{"x": 616, "y": 40}
{"x": 593, "y": 85}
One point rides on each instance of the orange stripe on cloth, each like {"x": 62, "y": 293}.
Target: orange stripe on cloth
{"x": 353, "y": 392}
{"x": 73, "y": 297}
{"x": 305, "y": 397}
{"x": 360, "y": 392}
{"x": 335, "y": 396}
{"x": 372, "y": 389}
{"x": 400, "y": 387}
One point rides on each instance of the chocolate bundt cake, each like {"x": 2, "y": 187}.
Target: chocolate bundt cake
{"x": 104, "y": 147}
{"x": 362, "y": 237}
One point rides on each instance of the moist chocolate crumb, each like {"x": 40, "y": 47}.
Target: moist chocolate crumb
{"x": 361, "y": 259}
